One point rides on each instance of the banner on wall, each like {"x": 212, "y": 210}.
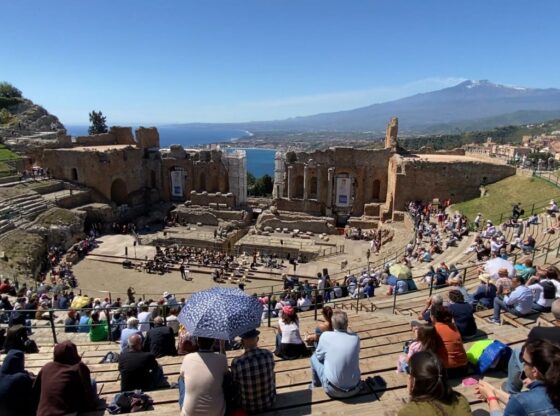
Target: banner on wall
{"x": 343, "y": 190}
{"x": 177, "y": 183}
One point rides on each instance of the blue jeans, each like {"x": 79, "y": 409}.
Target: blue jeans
{"x": 319, "y": 379}
{"x": 499, "y": 304}
{"x": 540, "y": 308}
{"x": 515, "y": 368}
{"x": 181, "y": 383}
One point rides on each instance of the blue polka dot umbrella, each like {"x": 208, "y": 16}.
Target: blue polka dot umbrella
{"x": 221, "y": 313}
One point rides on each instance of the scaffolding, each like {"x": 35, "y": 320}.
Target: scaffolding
{"x": 236, "y": 165}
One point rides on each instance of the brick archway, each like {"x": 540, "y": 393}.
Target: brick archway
{"x": 119, "y": 192}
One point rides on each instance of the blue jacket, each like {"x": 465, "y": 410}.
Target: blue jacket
{"x": 534, "y": 402}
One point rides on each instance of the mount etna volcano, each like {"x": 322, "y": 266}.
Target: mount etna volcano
{"x": 467, "y": 106}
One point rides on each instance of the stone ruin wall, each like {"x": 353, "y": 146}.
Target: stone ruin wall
{"x": 213, "y": 199}
{"x": 296, "y": 221}
{"x": 366, "y": 166}
{"x": 458, "y": 180}
{"x": 98, "y": 170}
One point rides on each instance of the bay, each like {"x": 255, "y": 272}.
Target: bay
{"x": 259, "y": 161}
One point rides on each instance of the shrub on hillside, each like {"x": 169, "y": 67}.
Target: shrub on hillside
{"x": 7, "y": 90}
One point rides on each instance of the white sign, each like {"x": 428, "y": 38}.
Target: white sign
{"x": 343, "y": 192}
{"x": 177, "y": 183}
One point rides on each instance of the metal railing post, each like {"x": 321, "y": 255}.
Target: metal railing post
{"x": 394, "y": 299}
{"x": 51, "y": 318}
{"x": 432, "y": 285}
{"x": 546, "y": 254}
{"x": 533, "y": 209}
{"x": 269, "y": 309}
{"x": 316, "y": 303}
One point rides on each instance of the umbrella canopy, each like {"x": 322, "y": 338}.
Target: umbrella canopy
{"x": 221, "y": 313}
{"x": 400, "y": 271}
{"x": 492, "y": 267}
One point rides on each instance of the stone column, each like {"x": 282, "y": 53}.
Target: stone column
{"x": 330, "y": 177}
{"x": 290, "y": 179}
{"x": 306, "y": 182}
{"x": 319, "y": 183}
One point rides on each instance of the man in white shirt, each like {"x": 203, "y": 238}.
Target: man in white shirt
{"x": 144, "y": 319}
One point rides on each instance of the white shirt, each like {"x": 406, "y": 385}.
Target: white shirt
{"x": 144, "y": 319}
{"x": 290, "y": 333}
{"x": 538, "y": 294}
{"x": 304, "y": 304}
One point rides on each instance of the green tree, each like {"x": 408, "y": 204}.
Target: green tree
{"x": 5, "y": 116}
{"x": 250, "y": 179}
{"x": 98, "y": 123}
{"x": 7, "y": 90}
{"x": 262, "y": 186}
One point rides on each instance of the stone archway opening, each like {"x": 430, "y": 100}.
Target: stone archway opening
{"x": 298, "y": 187}
{"x": 202, "y": 182}
{"x": 376, "y": 189}
{"x": 74, "y": 174}
{"x": 119, "y": 192}
{"x": 313, "y": 187}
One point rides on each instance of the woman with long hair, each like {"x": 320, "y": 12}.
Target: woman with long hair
{"x": 541, "y": 365}
{"x": 326, "y": 325}
{"x": 289, "y": 344}
{"x": 425, "y": 340}
{"x": 450, "y": 350}
{"x": 430, "y": 393}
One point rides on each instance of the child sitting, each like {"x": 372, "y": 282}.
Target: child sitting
{"x": 424, "y": 340}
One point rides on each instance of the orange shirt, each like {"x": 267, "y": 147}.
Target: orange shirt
{"x": 450, "y": 351}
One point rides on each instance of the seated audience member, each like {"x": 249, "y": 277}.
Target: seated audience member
{"x": 425, "y": 313}
{"x": 71, "y": 323}
{"x": 485, "y": 292}
{"x": 15, "y": 386}
{"x": 186, "y": 343}
{"x": 551, "y": 273}
{"x": 326, "y": 325}
{"x": 289, "y": 344}
{"x": 514, "y": 382}
{"x": 541, "y": 366}
{"x": 97, "y": 328}
{"x": 253, "y": 375}
{"x": 457, "y": 284}
{"x": 84, "y": 322}
{"x": 160, "y": 340}
{"x": 64, "y": 385}
{"x": 144, "y": 318}
{"x": 131, "y": 329}
{"x": 525, "y": 269}
{"x": 519, "y": 301}
{"x": 424, "y": 340}
{"x": 172, "y": 321}
{"x": 544, "y": 292}
{"x": 201, "y": 380}
{"x": 429, "y": 390}
{"x": 139, "y": 370}
{"x": 462, "y": 313}
{"x": 16, "y": 338}
{"x": 528, "y": 245}
{"x": 450, "y": 345}
{"x": 335, "y": 365}
{"x": 503, "y": 282}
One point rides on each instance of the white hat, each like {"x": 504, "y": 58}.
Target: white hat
{"x": 166, "y": 294}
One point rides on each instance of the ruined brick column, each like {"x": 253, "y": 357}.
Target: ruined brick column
{"x": 306, "y": 182}
{"x": 290, "y": 178}
{"x": 330, "y": 177}
{"x": 319, "y": 182}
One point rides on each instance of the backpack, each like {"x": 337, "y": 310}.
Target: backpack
{"x": 130, "y": 402}
{"x": 549, "y": 290}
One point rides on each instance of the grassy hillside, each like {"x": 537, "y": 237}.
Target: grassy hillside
{"x": 501, "y": 195}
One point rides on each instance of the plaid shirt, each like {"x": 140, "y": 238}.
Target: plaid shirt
{"x": 253, "y": 372}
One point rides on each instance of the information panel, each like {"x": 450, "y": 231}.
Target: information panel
{"x": 343, "y": 192}
{"x": 177, "y": 179}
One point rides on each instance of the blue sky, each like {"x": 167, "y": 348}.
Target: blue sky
{"x": 164, "y": 61}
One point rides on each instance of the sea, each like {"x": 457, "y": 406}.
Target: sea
{"x": 259, "y": 161}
